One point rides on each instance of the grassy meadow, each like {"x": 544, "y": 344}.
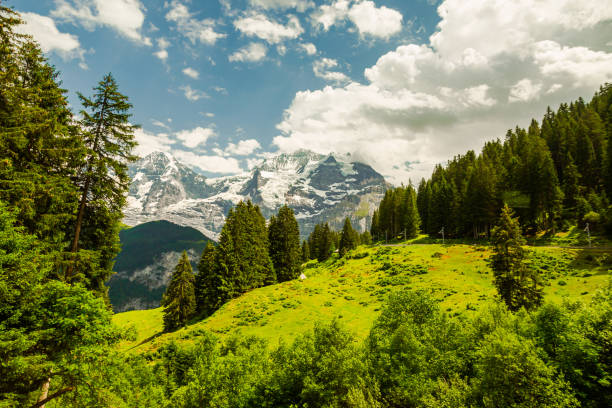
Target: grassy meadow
{"x": 353, "y": 290}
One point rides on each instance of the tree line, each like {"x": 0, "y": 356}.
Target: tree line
{"x": 323, "y": 241}
{"x": 555, "y": 174}
{"x": 249, "y": 255}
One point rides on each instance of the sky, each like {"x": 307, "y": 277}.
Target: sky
{"x": 401, "y": 85}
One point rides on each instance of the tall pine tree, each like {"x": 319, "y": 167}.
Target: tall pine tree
{"x": 517, "y": 284}
{"x": 207, "y": 282}
{"x": 179, "y": 300}
{"x": 284, "y": 240}
{"x": 349, "y": 238}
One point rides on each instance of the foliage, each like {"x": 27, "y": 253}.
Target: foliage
{"x": 517, "y": 284}
{"x": 179, "y": 301}
{"x": 349, "y": 238}
{"x": 284, "y": 244}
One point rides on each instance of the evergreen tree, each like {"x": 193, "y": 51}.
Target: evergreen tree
{"x": 179, "y": 300}
{"x": 365, "y": 238}
{"x": 375, "y": 227}
{"x": 411, "y": 220}
{"x": 207, "y": 281}
{"x": 305, "y": 251}
{"x": 516, "y": 283}
{"x": 284, "y": 239}
{"x": 348, "y": 238}
{"x": 104, "y": 181}
{"x": 325, "y": 246}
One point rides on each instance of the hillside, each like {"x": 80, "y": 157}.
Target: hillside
{"x": 149, "y": 252}
{"x": 353, "y": 290}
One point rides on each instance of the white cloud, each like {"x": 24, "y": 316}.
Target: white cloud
{"x": 524, "y": 90}
{"x": 253, "y": 52}
{"x": 160, "y": 124}
{"x": 258, "y": 25}
{"x": 192, "y": 28}
{"x": 329, "y": 14}
{"x": 195, "y": 137}
{"x": 192, "y": 73}
{"x": 380, "y": 22}
{"x": 124, "y": 16}
{"x": 152, "y": 142}
{"x": 243, "y": 147}
{"x": 586, "y": 66}
{"x": 162, "y": 53}
{"x": 322, "y": 69}
{"x": 491, "y": 65}
{"x": 194, "y": 94}
{"x": 308, "y": 48}
{"x": 300, "y": 5}
{"x": 211, "y": 164}
{"x": 45, "y": 32}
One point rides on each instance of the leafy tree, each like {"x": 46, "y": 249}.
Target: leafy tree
{"x": 365, "y": 238}
{"x": 179, "y": 301}
{"x": 517, "y": 285}
{"x": 511, "y": 374}
{"x": 349, "y": 239}
{"x": 104, "y": 181}
{"x": 284, "y": 241}
{"x": 207, "y": 281}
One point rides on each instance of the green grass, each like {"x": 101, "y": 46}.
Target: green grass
{"x": 354, "y": 290}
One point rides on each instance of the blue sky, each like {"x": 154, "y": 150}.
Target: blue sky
{"x": 398, "y": 84}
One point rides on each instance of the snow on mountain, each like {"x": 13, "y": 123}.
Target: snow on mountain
{"x": 319, "y": 188}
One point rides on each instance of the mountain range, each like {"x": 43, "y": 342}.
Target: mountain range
{"x": 318, "y": 187}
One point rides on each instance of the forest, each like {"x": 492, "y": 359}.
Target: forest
{"x": 63, "y": 184}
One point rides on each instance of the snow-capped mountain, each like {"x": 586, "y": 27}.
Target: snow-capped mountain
{"x": 318, "y": 188}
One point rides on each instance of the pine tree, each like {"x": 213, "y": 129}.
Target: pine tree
{"x": 207, "y": 282}
{"x": 284, "y": 240}
{"x": 375, "y": 227}
{"x": 411, "y": 221}
{"x": 516, "y": 283}
{"x": 348, "y": 238}
{"x": 104, "y": 181}
{"x": 305, "y": 251}
{"x": 179, "y": 300}
{"x": 325, "y": 245}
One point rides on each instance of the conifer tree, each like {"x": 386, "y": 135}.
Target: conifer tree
{"x": 516, "y": 283}
{"x": 375, "y": 227}
{"x": 284, "y": 241}
{"x": 365, "y": 238}
{"x": 179, "y": 301}
{"x": 207, "y": 281}
{"x": 411, "y": 220}
{"x": 305, "y": 251}
{"x": 109, "y": 139}
{"x": 348, "y": 238}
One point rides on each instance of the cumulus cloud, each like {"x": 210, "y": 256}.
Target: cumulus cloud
{"x": 260, "y": 26}
{"x": 242, "y": 148}
{"x": 423, "y": 103}
{"x": 45, "y": 32}
{"x": 323, "y": 69}
{"x": 379, "y": 22}
{"x": 193, "y": 94}
{"x": 191, "y": 73}
{"x": 152, "y": 142}
{"x": 254, "y": 52}
{"x": 124, "y": 16}
{"x": 195, "y": 137}
{"x": 300, "y": 5}
{"x": 162, "y": 53}
{"x": 211, "y": 164}
{"x": 524, "y": 90}
{"x": 308, "y": 48}
{"x": 195, "y": 30}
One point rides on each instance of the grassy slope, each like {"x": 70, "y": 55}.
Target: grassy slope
{"x": 354, "y": 289}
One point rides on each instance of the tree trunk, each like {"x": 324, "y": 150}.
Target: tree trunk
{"x": 44, "y": 391}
